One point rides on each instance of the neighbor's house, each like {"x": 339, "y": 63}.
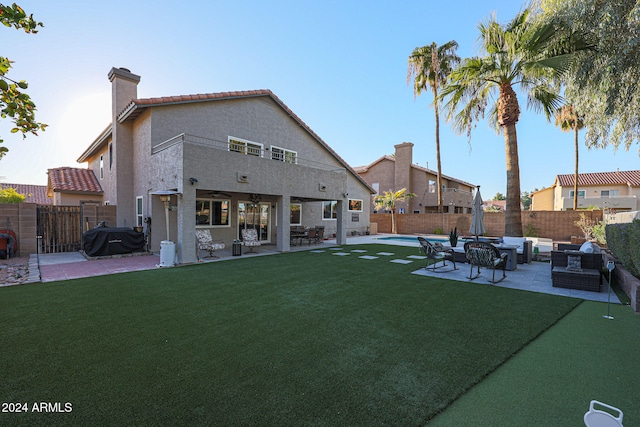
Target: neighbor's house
{"x": 497, "y": 205}
{"x": 617, "y": 190}
{"x": 33, "y": 193}
{"x": 221, "y": 161}
{"x": 398, "y": 171}
{"x": 73, "y": 186}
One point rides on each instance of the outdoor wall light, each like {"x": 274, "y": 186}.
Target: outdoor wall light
{"x": 193, "y": 180}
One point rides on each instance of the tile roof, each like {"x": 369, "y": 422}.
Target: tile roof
{"x": 73, "y": 180}
{"x": 34, "y": 193}
{"x": 602, "y": 178}
{"x": 363, "y": 169}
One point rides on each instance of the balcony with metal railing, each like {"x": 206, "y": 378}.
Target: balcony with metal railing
{"x": 246, "y": 149}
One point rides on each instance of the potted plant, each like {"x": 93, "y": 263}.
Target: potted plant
{"x": 453, "y": 237}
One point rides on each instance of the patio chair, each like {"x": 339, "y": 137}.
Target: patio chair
{"x": 315, "y": 235}
{"x": 436, "y": 252}
{"x": 485, "y": 255}
{"x": 597, "y": 417}
{"x": 206, "y": 243}
{"x": 250, "y": 238}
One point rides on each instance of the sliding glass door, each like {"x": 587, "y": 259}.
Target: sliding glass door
{"x": 255, "y": 215}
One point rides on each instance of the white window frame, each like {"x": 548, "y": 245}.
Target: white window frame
{"x": 139, "y": 211}
{"x": 211, "y": 201}
{"x": 284, "y": 155}
{"x": 246, "y": 147}
{"x": 334, "y": 210}
{"x": 300, "y": 206}
{"x": 609, "y": 193}
{"x": 581, "y": 194}
{"x": 356, "y": 200}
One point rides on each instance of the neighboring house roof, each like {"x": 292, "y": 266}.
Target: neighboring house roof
{"x": 631, "y": 178}
{"x": 500, "y": 204}
{"x": 33, "y": 193}
{"x": 363, "y": 169}
{"x": 72, "y": 180}
{"x": 138, "y": 106}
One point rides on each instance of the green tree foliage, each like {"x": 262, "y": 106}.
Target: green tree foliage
{"x": 509, "y": 60}
{"x": 10, "y": 195}
{"x": 16, "y": 104}
{"x": 499, "y": 196}
{"x": 600, "y": 71}
{"x": 525, "y": 199}
{"x": 430, "y": 67}
{"x": 388, "y": 200}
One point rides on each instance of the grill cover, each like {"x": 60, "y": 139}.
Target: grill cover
{"x": 112, "y": 241}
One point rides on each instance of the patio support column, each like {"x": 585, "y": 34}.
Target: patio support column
{"x": 283, "y": 218}
{"x": 341, "y": 222}
{"x": 186, "y": 244}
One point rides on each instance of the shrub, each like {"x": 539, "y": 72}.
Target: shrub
{"x": 10, "y": 195}
{"x": 438, "y": 231}
{"x": 624, "y": 241}
{"x": 531, "y": 231}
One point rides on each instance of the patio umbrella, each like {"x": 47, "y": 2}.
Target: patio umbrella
{"x": 477, "y": 216}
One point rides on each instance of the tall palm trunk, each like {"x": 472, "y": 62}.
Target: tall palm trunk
{"x": 439, "y": 177}
{"x": 575, "y": 173}
{"x": 513, "y": 218}
{"x": 393, "y": 221}
{"x": 508, "y": 115}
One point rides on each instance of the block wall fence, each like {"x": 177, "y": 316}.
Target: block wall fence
{"x": 22, "y": 219}
{"x": 556, "y": 225}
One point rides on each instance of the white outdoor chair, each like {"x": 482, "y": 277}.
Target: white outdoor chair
{"x": 599, "y": 418}
{"x": 250, "y": 238}
{"x": 206, "y": 243}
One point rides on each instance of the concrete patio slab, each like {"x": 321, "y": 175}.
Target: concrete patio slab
{"x": 534, "y": 277}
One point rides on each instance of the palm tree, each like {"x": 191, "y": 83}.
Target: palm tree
{"x": 511, "y": 54}
{"x": 430, "y": 66}
{"x": 388, "y": 201}
{"x": 568, "y": 119}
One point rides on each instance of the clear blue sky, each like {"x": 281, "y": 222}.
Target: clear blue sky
{"x": 339, "y": 65}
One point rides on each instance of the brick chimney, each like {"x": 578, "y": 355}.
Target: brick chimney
{"x": 402, "y": 175}
{"x": 124, "y": 89}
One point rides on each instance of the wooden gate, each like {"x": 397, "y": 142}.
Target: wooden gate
{"x": 59, "y": 229}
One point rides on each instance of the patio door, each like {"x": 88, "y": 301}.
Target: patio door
{"x": 255, "y": 215}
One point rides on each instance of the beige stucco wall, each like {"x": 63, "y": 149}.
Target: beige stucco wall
{"x": 169, "y": 167}
{"x": 543, "y": 200}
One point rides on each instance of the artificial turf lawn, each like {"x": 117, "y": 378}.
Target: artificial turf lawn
{"x": 298, "y": 338}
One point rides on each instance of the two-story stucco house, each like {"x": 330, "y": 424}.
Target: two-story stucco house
{"x": 399, "y": 171}
{"x": 222, "y": 161}
{"x": 617, "y": 190}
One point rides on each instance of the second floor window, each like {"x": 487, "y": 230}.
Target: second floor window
{"x": 608, "y": 193}
{"x": 283, "y": 154}
{"x": 580, "y": 194}
{"x": 245, "y": 147}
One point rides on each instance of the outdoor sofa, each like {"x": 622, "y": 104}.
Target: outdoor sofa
{"x": 577, "y": 267}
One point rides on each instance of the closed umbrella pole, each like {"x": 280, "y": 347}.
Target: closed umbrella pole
{"x": 477, "y": 216}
